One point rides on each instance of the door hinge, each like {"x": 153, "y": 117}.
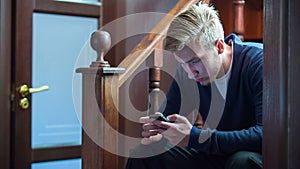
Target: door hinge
{"x": 12, "y": 97}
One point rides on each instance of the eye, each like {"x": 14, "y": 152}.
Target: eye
{"x": 195, "y": 61}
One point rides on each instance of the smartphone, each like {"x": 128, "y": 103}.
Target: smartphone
{"x": 160, "y": 117}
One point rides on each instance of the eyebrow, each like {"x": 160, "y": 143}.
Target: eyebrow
{"x": 191, "y": 60}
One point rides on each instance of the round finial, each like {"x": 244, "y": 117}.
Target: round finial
{"x": 100, "y": 42}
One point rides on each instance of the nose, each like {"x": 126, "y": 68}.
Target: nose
{"x": 193, "y": 72}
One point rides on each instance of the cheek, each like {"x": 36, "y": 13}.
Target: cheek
{"x": 186, "y": 69}
{"x": 211, "y": 65}
{"x": 201, "y": 68}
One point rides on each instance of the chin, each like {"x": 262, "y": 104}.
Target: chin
{"x": 204, "y": 82}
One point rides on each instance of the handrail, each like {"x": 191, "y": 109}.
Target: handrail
{"x": 140, "y": 53}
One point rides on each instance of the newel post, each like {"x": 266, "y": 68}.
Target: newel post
{"x": 100, "y": 117}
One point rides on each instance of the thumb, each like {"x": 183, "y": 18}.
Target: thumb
{"x": 177, "y": 118}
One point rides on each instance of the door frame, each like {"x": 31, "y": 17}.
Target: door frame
{"x": 5, "y": 82}
{"x": 20, "y": 139}
{"x": 281, "y": 84}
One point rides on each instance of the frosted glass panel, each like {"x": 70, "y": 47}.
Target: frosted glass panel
{"x": 57, "y": 42}
{"x": 63, "y": 164}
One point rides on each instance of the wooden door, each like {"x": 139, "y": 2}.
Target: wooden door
{"x": 46, "y": 36}
{"x": 5, "y": 74}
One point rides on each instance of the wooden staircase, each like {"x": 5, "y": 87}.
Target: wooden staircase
{"x": 101, "y": 83}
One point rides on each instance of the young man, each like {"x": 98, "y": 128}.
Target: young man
{"x": 220, "y": 81}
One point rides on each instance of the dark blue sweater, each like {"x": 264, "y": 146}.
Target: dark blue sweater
{"x": 234, "y": 124}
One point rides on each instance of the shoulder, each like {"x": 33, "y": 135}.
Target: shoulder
{"x": 245, "y": 51}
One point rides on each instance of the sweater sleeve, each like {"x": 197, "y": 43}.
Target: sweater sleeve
{"x": 227, "y": 142}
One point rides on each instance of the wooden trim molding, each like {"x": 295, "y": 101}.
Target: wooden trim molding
{"x": 68, "y": 8}
{"x": 294, "y": 90}
{"x": 5, "y": 82}
{"x": 281, "y": 85}
{"x": 61, "y": 153}
{"x": 275, "y": 90}
{"x": 21, "y": 73}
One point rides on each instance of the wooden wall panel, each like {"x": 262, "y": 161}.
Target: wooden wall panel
{"x": 281, "y": 85}
{"x": 253, "y": 18}
{"x": 294, "y": 90}
{"x": 275, "y": 88}
{"x": 113, "y": 9}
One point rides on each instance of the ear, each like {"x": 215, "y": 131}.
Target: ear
{"x": 220, "y": 44}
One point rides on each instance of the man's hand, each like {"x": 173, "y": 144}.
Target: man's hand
{"x": 178, "y": 132}
{"x": 150, "y": 131}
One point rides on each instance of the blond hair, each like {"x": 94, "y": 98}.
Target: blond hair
{"x": 200, "y": 23}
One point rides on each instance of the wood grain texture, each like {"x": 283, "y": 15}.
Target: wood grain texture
{"x": 91, "y": 153}
{"x": 58, "y": 153}
{"x": 154, "y": 89}
{"x": 21, "y": 137}
{"x": 100, "y": 118}
{"x": 111, "y": 116}
{"x": 253, "y": 18}
{"x": 275, "y": 85}
{"x": 294, "y": 90}
{"x": 238, "y": 18}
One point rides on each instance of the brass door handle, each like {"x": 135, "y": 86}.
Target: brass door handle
{"x": 24, "y": 103}
{"x": 24, "y": 90}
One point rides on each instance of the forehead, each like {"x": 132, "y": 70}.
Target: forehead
{"x": 186, "y": 50}
{"x": 189, "y": 51}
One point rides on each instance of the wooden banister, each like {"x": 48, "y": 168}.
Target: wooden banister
{"x": 140, "y": 53}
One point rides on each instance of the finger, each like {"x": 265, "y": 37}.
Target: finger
{"x": 152, "y": 139}
{"x": 167, "y": 125}
{"x": 146, "y": 134}
{"x": 146, "y": 119}
{"x": 162, "y": 124}
{"x": 146, "y": 141}
{"x": 177, "y": 118}
{"x": 149, "y": 126}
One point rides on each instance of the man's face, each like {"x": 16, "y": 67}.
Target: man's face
{"x": 201, "y": 65}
